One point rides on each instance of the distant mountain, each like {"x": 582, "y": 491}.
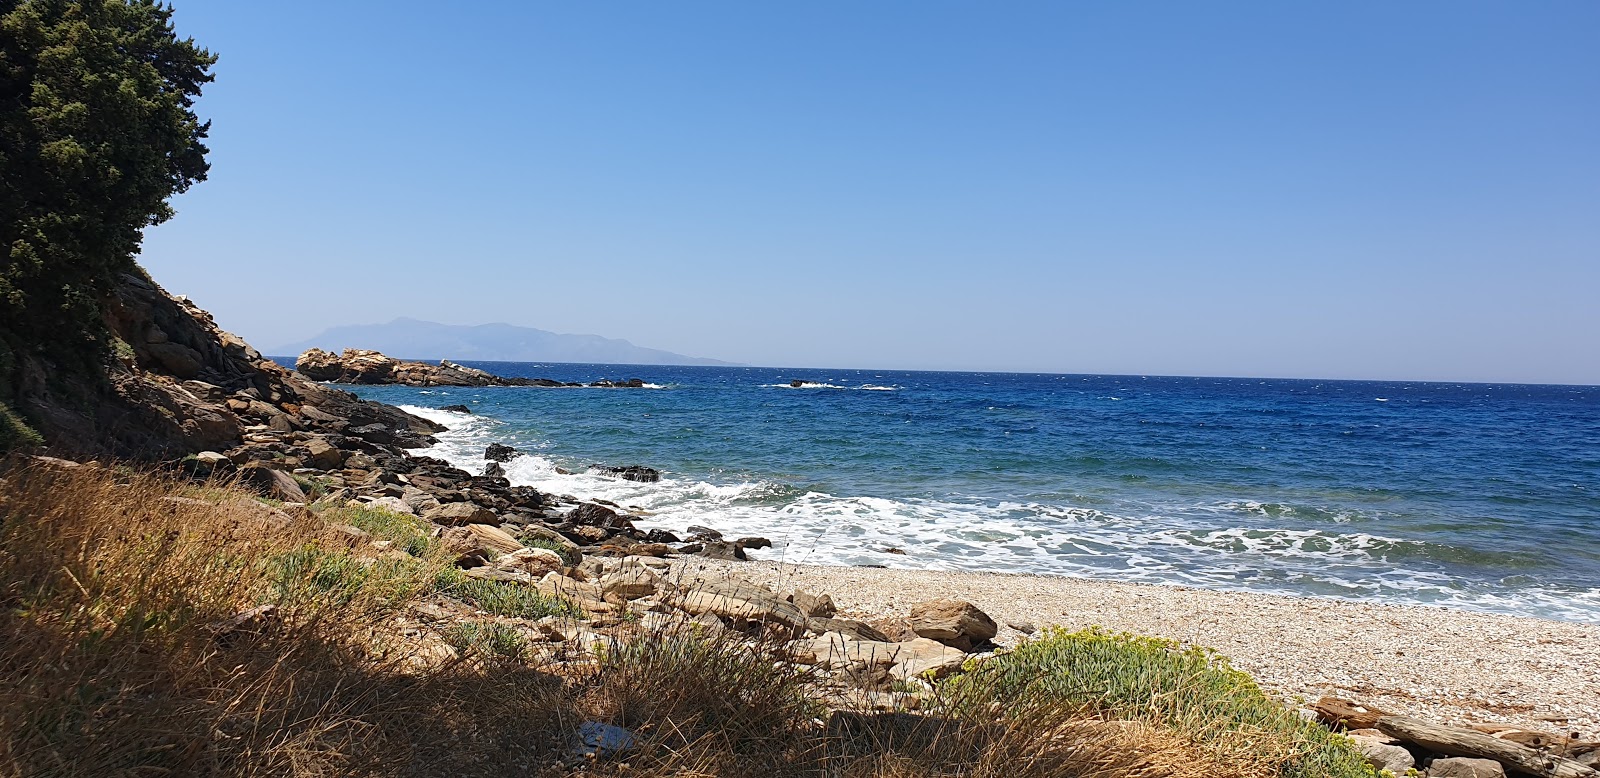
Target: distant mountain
{"x": 412, "y": 339}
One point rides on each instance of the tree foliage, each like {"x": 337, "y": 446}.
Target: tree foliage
{"x": 97, "y": 131}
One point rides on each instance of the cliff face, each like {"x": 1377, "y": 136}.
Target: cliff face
{"x": 178, "y": 385}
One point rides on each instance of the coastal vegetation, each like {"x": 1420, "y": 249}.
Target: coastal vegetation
{"x": 98, "y": 131}
{"x": 150, "y": 627}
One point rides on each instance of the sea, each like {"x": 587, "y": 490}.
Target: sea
{"x": 1484, "y": 497}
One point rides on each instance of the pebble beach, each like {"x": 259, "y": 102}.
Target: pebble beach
{"x": 1442, "y": 664}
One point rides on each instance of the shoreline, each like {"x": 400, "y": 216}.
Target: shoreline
{"x": 1441, "y": 663}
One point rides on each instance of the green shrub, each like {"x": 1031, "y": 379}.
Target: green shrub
{"x": 487, "y": 640}
{"x": 503, "y": 598}
{"x": 1190, "y": 691}
{"x": 409, "y": 533}
{"x": 15, "y": 432}
{"x": 312, "y": 575}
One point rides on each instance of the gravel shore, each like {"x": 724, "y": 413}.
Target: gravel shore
{"x": 1445, "y": 665}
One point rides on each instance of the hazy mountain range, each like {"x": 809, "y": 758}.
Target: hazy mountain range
{"x": 425, "y": 340}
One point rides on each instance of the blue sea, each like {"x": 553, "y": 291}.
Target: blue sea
{"x": 1476, "y": 496}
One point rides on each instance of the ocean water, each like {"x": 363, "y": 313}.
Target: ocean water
{"x": 1477, "y": 496}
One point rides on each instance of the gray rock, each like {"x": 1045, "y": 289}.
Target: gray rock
{"x": 1462, "y": 767}
{"x": 1383, "y": 755}
{"x": 596, "y": 739}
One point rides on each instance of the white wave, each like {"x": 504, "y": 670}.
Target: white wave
{"x": 1014, "y": 536}
{"x": 820, "y": 385}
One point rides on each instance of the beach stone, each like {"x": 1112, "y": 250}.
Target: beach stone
{"x": 494, "y": 538}
{"x": 324, "y": 455}
{"x": 1383, "y": 755}
{"x": 272, "y": 483}
{"x": 533, "y": 562}
{"x": 722, "y": 549}
{"x": 457, "y": 514}
{"x": 660, "y": 536}
{"x": 630, "y": 582}
{"x": 1463, "y": 767}
{"x": 855, "y": 629}
{"x": 743, "y": 601}
{"x": 924, "y": 657}
{"x": 496, "y": 452}
{"x": 955, "y": 623}
{"x": 813, "y": 605}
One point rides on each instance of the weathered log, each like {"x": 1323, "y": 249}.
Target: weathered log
{"x": 1451, "y": 741}
{"x": 1335, "y": 712}
{"x": 1561, "y": 745}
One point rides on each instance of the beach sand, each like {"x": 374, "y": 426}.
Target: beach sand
{"x": 1444, "y": 665}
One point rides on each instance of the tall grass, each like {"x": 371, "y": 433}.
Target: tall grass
{"x": 145, "y": 632}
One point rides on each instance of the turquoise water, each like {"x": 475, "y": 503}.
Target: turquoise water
{"x": 1469, "y": 495}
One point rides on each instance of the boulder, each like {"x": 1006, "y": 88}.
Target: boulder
{"x": 955, "y": 623}
{"x": 630, "y": 582}
{"x": 271, "y": 483}
{"x": 923, "y": 657}
{"x": 496, "y": 452}
{"x": 1384, "y": 755}
{"x": 813, "y": 605}
{"x": 536, "y": 562}
{"x": 722, "y": 549}
{"x": 1463, "y": 767}
{"x": 455, "y": 408}
{"x": 457, "y": 514}
{"x": 593, "y": 514}
{"x": 324, "y": 455}
{"x": 494, "y": 538}
{"x": 494, "y": 470}
{"x": 744, "y": 602}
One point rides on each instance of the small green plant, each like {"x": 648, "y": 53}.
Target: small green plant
{"x": 569, "y": 555}
{"x": 1188, "y": 690}
{"x": 408, "y": 533}
{"x": 502, "y": 598}
{"x": 312, "y": 574}
{"x": 488, "y": 640}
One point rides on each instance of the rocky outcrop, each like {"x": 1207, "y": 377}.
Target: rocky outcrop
{"x": 177, "y": 384}
{"x": 361, "y": 366}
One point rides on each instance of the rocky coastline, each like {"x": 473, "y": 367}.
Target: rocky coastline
{"x": 234, "y": 415}
{"x": 362, "y": 366}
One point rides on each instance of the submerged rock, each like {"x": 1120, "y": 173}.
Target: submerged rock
{"x": 638, "y": 473}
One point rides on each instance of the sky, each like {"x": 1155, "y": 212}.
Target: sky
{"x": 1336, "y": 190}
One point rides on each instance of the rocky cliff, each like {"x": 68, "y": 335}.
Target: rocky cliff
{"x": 176, "y": 384}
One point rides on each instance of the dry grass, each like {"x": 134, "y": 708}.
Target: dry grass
{"x": 116, "y": 659}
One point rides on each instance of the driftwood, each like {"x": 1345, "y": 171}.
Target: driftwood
{"x": 1336, "y": 713}
{"x": 1465, "y": 742}
{"x": 1561, "y": 745}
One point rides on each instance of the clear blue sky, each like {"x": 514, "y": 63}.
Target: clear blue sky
{"x": 1348, "y": 190}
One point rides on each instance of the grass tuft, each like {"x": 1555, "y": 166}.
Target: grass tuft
{"x": 1191, "y": 692}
